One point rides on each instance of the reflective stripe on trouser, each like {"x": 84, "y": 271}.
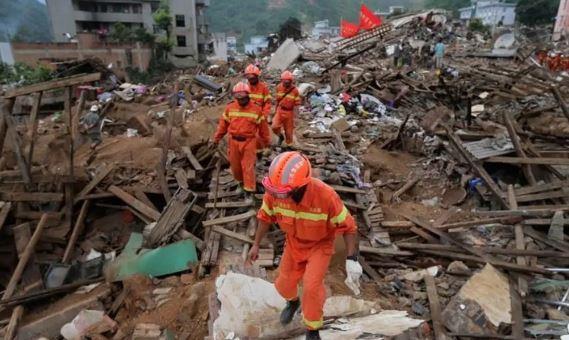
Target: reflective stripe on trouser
{"x": 242, "y": 158}
{"x": 312, "y": 271}
{"x": 284, "y": 119}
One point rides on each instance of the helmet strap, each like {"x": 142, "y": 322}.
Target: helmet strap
{"x": 297, "y": 194}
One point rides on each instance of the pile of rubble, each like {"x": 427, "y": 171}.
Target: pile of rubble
{"x": 457, "y": 181}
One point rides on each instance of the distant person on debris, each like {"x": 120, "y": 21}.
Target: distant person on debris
{"x": 311, "y": 214}
{"x": 91, "y": 126}
{"x": 439, "y": 54}
{"x": 397, "y": 56}
{"x": 287, "y": 102}
{"x": 260, "y": 94}
{"x": 243, "y": 120}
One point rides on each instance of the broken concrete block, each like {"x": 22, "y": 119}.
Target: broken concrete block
{"x": 340, "y": 125}
{"x": 481, "y": 305}
{"x": 146, "y": 331}
{"x": 63, "y": 312}
{"x": 284, "y": 56}
{"x": 458, "y": 268}
{"x": 87, "y": 323}
{"x": 417, "y": 276}
{"x": 557, "y": 225}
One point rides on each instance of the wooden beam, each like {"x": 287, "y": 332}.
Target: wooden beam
{"x": 560, "y": 100}
{"x": 349, "y": 190}
{"x": 32, "y": 128}
{"x": 479, "y": 169}
{"x": 136, "y": 204}
{"x": 193, "y": 160}
{"x": 12, "y": 328}
{"x": 17, "y": 147}
{"x": 232, "y": 234}
{"x": 31, "y": 196}
{"x": 6, "y": 112}
{"x": 384, "y": 251}
{"x": 435, "y": 307}
{"x": 236, "y": 204}
{"x": 520, "y": 243}
{"x": 482, "y": 257}
{"x": 517, "y": 312}
{"x": 94, "y": 182}
{"x": 229, "y": 219}
{"x": 563, "y": 192}
{"x": 540, "y": 188}
{"x": 4, "y": 213}
{"x": 536, "y": 161}
{"x": 23, "y": 261}
{"x": 78, "y": 112}
{"x": 562, "y": 246}
{"x": 489, "y": 250}
{"x": 528, "y": 173}
{"x": 77, "y": 229}
{"x": 69, "y": 193}
{"x": 53, "y": 84}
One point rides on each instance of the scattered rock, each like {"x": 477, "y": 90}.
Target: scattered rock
{"x": 458, "y": 268}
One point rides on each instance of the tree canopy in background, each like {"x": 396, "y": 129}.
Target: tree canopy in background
{"x": 537, "y": 12}
{"x": 24, "y": 20}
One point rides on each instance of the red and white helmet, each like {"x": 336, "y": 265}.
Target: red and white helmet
{"x": 288, "y": 171}
{"x": 287, "y": 75}
{"x": 252, "y": 69}
{"x": 241, "y": 87}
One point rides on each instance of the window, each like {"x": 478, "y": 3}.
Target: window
{"x": 181, "y": 40}
{"x": 136, "y": 8}
{"x": 180, "y": 21}
{"x": 154, "y": 6}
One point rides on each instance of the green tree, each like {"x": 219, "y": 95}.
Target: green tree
{"x": 142, "y": 36}
{"x": 476, "y": 25}
{"x": 163, "y": 18}
{"x": 120, "y": 33}
{"x": 536, "y": 12}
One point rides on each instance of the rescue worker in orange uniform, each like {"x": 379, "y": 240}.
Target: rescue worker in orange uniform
{"x": 287, "y": 102}
{"x": 243, "y": 120}
{"x": 311, "y": 214}
{"x": 260, "y": 94}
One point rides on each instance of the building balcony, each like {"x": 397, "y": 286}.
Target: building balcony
{"x": 108, "y": 17}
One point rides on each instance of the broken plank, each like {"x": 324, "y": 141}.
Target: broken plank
{"x": 229, "y": 219}
{"x": 4, "y": 213}
{"x": 141, "y": 195}
{"x": 31, "y": 196}
{"x": 227, "y": 194}
{"x": 136, "y": 204}
{"x": 535, "y": 161}
{"x": 562, "y": 246}
{"x": 193, "y": 160}
{"x": 540, "y": 188}
{"x": 181, "y": 178}
{"x": 424, "y": 235}
{"x": 527, "y": 170}
{"x": 77, "y": 229}
{"x": 53, "y": 84}
{"x": 397, "y": 224}
{"x": 237, "y": 204}
{"x": 32, "y": 128}
{"x": 232, "y": 234}
{"x": 520, "y": 243}
{"x": 32, "y": 276}
{"x": 12, "y": 134}
{"x": 563, "y": 192}
{"x": 23, "y": 261}
{"x": 516, "y": 311}
{"x": 369, "y": 270}
{"x": 12, "y": 328}
{"x": 489, "y": 250}
{"x": 94, "y": 182}
{"x": 478, "y": 168}
{"x": 341, "y": 188}
{"x": 435, "y": 307}
{"x": 384, "y": 251}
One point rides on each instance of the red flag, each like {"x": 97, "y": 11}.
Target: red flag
{"x": 347, "y": 29}
{"x": 368, "y": 19}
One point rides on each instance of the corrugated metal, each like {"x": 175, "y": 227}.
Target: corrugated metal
{"x": 489, "y": 147}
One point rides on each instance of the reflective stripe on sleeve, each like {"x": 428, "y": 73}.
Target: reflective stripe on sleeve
{"x": 266, "y": 209}
{"x": 341, "y": 217}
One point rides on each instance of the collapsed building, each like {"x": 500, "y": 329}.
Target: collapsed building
{"x": 457, "y": 181}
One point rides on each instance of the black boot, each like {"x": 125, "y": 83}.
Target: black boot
{"x": 312, "y": 335}
{"x": 281, "y": 139}
{"x": 288, "y": 313}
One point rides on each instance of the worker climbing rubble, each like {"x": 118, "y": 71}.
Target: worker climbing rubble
{"x": 311, "y": 214}
{"x": 243, "y": 120}
{"x": 260, "y": 94}
{"x": 91, "y": 125}
{"x": 287, "y": 103}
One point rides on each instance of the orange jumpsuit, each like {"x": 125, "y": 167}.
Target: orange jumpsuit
{"x": 284, "y": 118}
{"x": 310, "y": 228}
{"x": 243, "y": 124}
{"x": 261, "y": 95}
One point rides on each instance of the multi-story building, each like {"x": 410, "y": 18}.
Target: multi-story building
{"x": 322, "y": 29}
{"x": 491, "y": 12}
{"x": 189, "y": 25}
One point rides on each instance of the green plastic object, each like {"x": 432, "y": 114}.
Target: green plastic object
{"x": 170, "y": 259}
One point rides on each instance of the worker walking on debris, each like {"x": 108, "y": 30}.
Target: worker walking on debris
{"x": 243, "y": 120}
{"x": 311, "y": 214}
{"x": 439, "y": 54}
{"x": 91, "y": 126}
{"x": 287, "y": 102}
{"x": 260, "y": 94}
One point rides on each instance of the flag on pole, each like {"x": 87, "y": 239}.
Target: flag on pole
{"x": 368, "y": 19}
{"x": 347, "y": 29}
